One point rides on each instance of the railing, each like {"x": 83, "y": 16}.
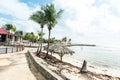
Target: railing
{"x": 11, "y": 49}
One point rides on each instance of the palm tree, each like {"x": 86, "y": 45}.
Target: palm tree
{"x": 8, "y": 27}
{"x": 51, "y": 16}
{"x": 69, "y": 41}
{"x": 19, "y": 33}
{"x": 13, "y": 29}
{"x": 64, "y": 39}
{"x": 39, "y": 17}
{"x": 40, "y": 34}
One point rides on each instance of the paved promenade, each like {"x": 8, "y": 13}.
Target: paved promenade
{"x": 13, "y": 66}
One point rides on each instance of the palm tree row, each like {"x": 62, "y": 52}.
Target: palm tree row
{"x": 46, "y": 16}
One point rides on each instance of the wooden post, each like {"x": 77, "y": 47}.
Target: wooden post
{"x": 12, "y": 49}
{"x": 6, "y": 50}
{"x": 17, "y": 48}
{"x": 22, "y": 47}
{"x": 84, "y": 67}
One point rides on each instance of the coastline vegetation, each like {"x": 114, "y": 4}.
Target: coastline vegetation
{"x": 32, "y": 37}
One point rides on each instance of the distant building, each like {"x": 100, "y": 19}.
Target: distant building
{"x": 7, "y": 36}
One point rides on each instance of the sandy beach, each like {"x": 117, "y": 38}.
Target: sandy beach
{"x": 93, "y": 68}
{"x": 13, "y": 66}
{"x": 94, "y": 72}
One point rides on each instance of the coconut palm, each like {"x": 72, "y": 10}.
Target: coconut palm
{"x": 51, "y": 16}
{"x": 19, "y": 33}
{"x": 13, "y": 29}
{"x": 40, "y": 34}
{"x": 39, "y": 17}
{"x": 64, "y": 39}
{"x": 8, "y": 27}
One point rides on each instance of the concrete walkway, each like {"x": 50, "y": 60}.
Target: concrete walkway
{"x": 13, "y": 66}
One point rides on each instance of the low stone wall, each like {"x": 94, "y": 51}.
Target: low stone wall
{"x": 35, "y": 61}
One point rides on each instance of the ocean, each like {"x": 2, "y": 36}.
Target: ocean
{"x": 101, "y": 56}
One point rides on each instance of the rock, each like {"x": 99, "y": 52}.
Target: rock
{"x": 84, "y": 67}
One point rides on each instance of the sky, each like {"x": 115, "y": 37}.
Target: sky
{"x": 84, "y": 21}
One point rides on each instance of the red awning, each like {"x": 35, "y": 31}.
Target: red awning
{"x": 3, "y": 31}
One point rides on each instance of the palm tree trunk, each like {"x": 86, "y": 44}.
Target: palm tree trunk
{"x": 37, "y": 50}
{"x": 48, "y": 44}
{"x": 41, "y": 41}
{"x": 61, "y": 58}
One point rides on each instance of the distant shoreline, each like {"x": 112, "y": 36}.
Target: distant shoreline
{"x": 81, "y": 45}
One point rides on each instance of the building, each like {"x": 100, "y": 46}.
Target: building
{"x": 6, "y": 36}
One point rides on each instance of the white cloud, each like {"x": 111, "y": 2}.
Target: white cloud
{"x": 19, "y": 13}
{"x": 90, "y": 21}
{"x": 28, "y": 26}
{"x": 3, "y": 21}
{"x": 15, "y": 8}
{"x": 94, "y": 21}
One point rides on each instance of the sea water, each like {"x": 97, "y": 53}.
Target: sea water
{"x": 101, "y": 56}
